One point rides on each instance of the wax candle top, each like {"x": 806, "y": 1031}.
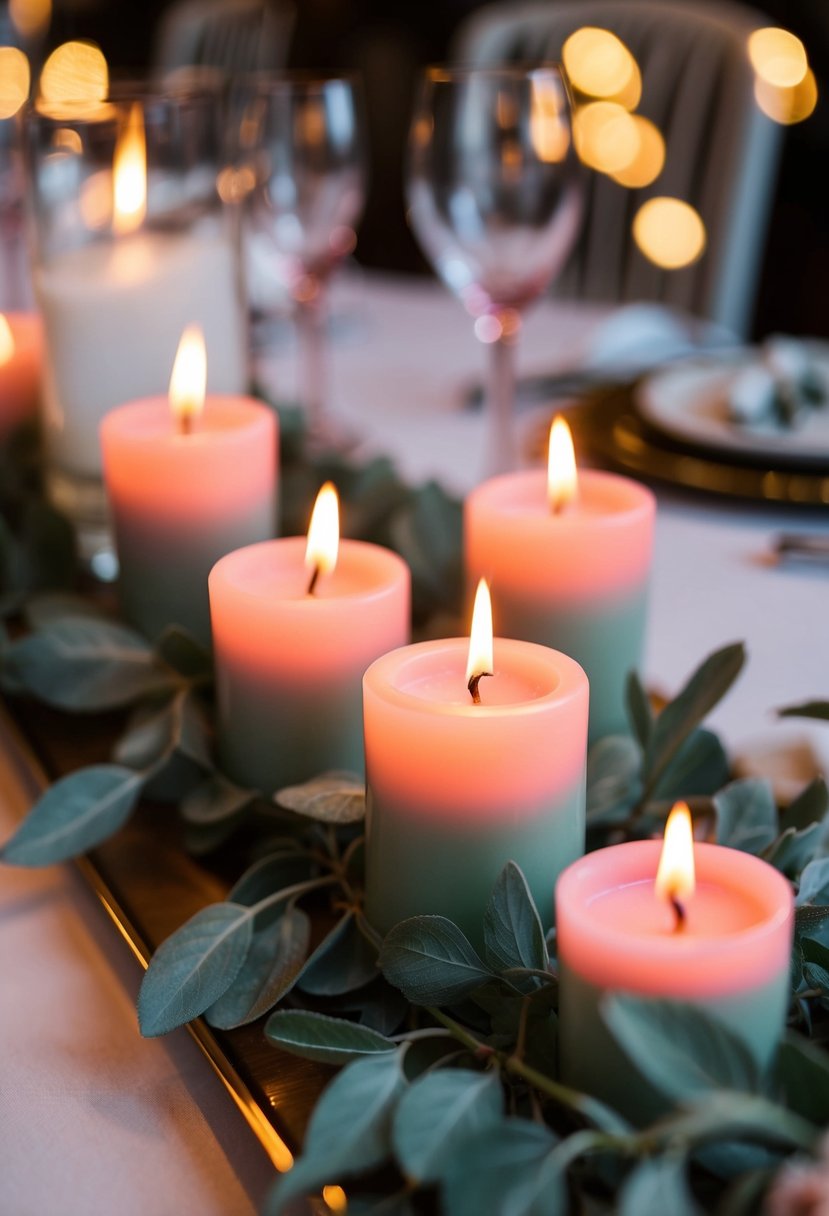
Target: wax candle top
{"x": 431, "y": 676}
{"x": 600, "y": 543}
{"x": 198, "y": 471}
{"x": 615, "y": 929}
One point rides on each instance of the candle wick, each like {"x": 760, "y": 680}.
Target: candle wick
{"x": 474, "y": 681}
{"x": 314, "y": 576}
{"x": 185, "y": 423}
{"x": 679, "y": 912}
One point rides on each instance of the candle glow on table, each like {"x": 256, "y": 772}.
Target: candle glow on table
{"x": 714, "y": 929}
{"x": 113, "y": 310}
{"x": 456, "y": 789}
{"x": 21, "y": 357}
{"x": 568, "y": 558}
{"x": 189, "y": 479}
{"x": 294, "y": 628}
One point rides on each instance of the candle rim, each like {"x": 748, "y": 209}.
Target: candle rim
{"x": 569, "y": 685}
{"x": 382, "y": 583}
{"x": 571, "y": 884}
{"x": 492, "y": 493}
{"x": 145, "y": 421}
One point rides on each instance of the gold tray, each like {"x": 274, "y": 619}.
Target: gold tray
{"x": 149, "y": 886}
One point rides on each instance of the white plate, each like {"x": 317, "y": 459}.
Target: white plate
{"x": 689, "y": 402}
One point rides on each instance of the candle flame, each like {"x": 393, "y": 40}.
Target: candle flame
{"x": 323, "y": 532}
{"x": 562, "y": 477}
{"x": 130, "y": 174}
{"x": 675, "y": 877}
{"x": 188, "y": 383}
{"x": 6, "y": 341}
{"x": 480, "y": 661}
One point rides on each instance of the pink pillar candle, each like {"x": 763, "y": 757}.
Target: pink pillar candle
{"x": 180, "y": 501}
{"x": 575, "y": 580}
{"x": 21, "y": 360}
{"x": 289, "y": 665}
{"x": 615, "y": 934}
{"x": 455, "y": 790}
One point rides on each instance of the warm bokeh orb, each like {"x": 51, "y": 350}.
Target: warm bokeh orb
{"x": 669, "y": 232}
{"x": 15, "y": 78}
{"x": 778, "y": 57}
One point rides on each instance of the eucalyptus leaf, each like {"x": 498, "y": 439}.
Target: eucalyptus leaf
{"x": 148, "y": 736}
{"x": 614, "y": 781}
{"x": 495, "y": 1170}
{"x": 430, "y": 960}
{"x": 699, "y": 767}
{"x": 274, "y": 872}
{"x": 398, "y": 1204}
{"x": 331, "y": 798}
{"x": 815, "y": 963}
{"x": 810, "y": 806}
{"x": 377, "y": 1005}
{"x": 194, "y": 967}
{"x": 746, "y": 815}
{"x": 657, "y": 1186}
{"x": 268, "y": 973}
{"x": 803, "y": 1072}
{"x": 349, "y": 1131}
{"x": 681, "y": 1049}
{"x": 513, "y": 935}
{"x": 640, "y": 714}
{"x": 807, "y": 709}
{"x": 792, "y": 850}
{"x": 74, "y": 815}
{"x": 708, "y": 685}
{"x": 437, "y": 1113}
{"x": 191, "y": 730}
{"x": 184, "y": 653}
{"x": 809, "y": 916}
{"x": 814, "y": 884}
{"x": 215, "y": 800}
{"x": 82, "y": 664}
{"x": 725, "y": 1115}
{"x": 341, "y": 962}
{"x": 316, "y": 1036}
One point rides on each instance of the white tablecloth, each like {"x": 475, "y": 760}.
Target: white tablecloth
{"x": 92, "y": 1118}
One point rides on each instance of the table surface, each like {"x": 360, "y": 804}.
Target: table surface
{"x": 96, "y": 1119}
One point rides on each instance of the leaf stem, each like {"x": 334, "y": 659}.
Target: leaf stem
{"x": 461, "y": 1033}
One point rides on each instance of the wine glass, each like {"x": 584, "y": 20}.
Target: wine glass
{"x": 495, "y": 194}
{"x": 304, "y": 136}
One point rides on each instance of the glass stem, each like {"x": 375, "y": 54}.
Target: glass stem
{"x": 501, "y": 455}
{"x": 311, "y": 327}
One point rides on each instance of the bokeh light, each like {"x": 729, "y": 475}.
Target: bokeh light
{"x": 549, "y": 130}
{"x": 15, "y": 79}
{"x": 778, "y": 57}
{"x": 649, "y": 160}
{"x": 598, "y": 63}
{"x": 606, "y": 136}
{"x": 6, "y": 340}
{"x": 74, "y": 75}
{"x": 30, "y": 17}
{"x": 787, "y": 105}
{"x": 669, "y": 232}
{"x": 334, "y": 1197}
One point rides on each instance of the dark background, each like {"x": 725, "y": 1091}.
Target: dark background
{"x": 389, "y": 40}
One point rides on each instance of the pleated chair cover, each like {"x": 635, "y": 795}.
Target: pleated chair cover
{"x": 722, "y": 151}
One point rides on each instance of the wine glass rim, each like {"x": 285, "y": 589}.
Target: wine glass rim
{"x": 442, "y": 73}
{"x": 122, "y": 93}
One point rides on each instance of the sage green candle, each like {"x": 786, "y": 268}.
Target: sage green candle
{"x": 731, "y": 956}
{"x": 457, "y": 789}
{"x": 574, "y": 579}
{"x": 289, "y": 664}
{"x": 180, "y": 500}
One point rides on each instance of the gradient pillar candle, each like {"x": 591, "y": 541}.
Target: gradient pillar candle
{"x": 730, "y": 955}
{"x": 290, "y": 657}
{"x": 21, "y": 359}
{"x": 456, "y": 789}
{"x": 568, "y": 558}
{"x": 184, "y": 488}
